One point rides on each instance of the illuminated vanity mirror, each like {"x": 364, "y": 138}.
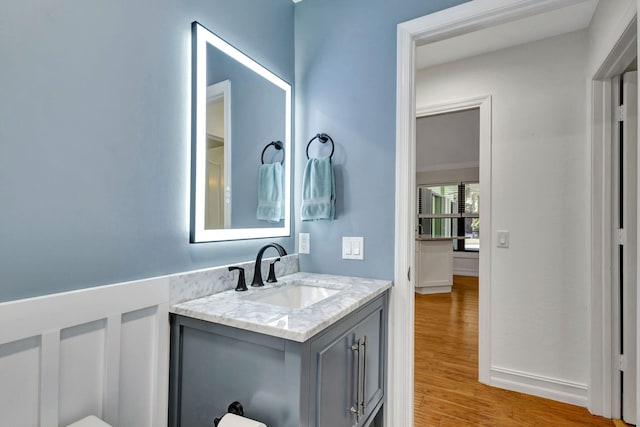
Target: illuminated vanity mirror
{"x": 239, "y": 109}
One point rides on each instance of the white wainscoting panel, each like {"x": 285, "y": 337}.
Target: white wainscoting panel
{"x": 81, "y": 371}
{"x": 99, "y": 351}
{"x": 20, "y": 381}
{"x": 137, "y": 349}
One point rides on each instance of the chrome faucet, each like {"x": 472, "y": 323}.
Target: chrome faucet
{"x": 257, "y": 272}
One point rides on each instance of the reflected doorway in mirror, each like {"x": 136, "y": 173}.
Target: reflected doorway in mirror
{"x": 218, "y": 193}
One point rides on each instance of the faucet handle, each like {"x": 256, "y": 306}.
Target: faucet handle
{"x": 272, "y": 273}
{"x": 242, "y": 285}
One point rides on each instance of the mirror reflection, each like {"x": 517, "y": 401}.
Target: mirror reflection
{"x": 217, "y": 204}
{"x": 241, "y": 178}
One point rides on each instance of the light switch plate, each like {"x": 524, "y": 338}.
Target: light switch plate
{"x": 503, "y": 239}
{"x": 353, "y": 248}
{"x": 304, "y": 243}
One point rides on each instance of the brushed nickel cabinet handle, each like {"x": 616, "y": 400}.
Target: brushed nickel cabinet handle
{"x": 363, "y": 403}
{"x": 356, "y": 410}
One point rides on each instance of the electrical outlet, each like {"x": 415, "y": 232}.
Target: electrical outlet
{"x": 353, "y": 248}
{"x": 304, "y": 243}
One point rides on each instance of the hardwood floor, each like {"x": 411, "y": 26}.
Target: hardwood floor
{"x": 447, "y": 392}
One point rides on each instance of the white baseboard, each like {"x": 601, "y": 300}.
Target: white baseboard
{"x": 465, "y": 272}
{"x": 434, "y": 290}
{"x": 550, "y": 388}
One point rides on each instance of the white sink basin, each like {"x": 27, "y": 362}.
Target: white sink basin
{"x": 293, "y": 296}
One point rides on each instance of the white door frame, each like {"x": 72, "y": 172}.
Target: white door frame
{"x": 604, "y": 394}
{"x": 447, "y": 23}
{"x": 629, "y": 137}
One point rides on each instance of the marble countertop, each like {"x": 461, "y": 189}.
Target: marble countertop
{"x": 232, "y": 308}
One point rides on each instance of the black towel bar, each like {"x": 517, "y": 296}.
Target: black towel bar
{"x": 322, "y": 137}
{"x": 278, "y": 145}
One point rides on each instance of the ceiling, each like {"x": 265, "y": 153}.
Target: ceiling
{"x": 560, "y": 21}
{"x": 448, "y": 141}
{"x": 452, "y": 140}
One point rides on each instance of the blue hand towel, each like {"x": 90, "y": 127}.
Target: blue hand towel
{"x": 270, "y": 193}
{"x": 318, "y": 190}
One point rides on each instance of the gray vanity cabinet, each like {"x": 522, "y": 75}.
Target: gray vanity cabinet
{"x": 348, "y": 376}
{"x": 328, "y": 381}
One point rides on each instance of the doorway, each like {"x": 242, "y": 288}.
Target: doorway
{"x": 448, "y": 196}
{"x": 439, "y": 26}
{"x": 446, "y": 264}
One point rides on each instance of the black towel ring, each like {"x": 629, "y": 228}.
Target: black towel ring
{"x": 322, "y": 137}
{"x": 278, "y": 145}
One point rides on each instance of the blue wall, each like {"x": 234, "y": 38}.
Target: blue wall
{"x": 94, "y": 135}
{"x": 346, "y": 87}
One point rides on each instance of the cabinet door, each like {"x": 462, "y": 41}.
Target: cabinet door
{"x": 348, "y": 376}
{"x": 372, "y": 360}
{"x": 336, "y": 383}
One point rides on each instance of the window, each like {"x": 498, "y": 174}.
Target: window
{"x": 451, "y": 211}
